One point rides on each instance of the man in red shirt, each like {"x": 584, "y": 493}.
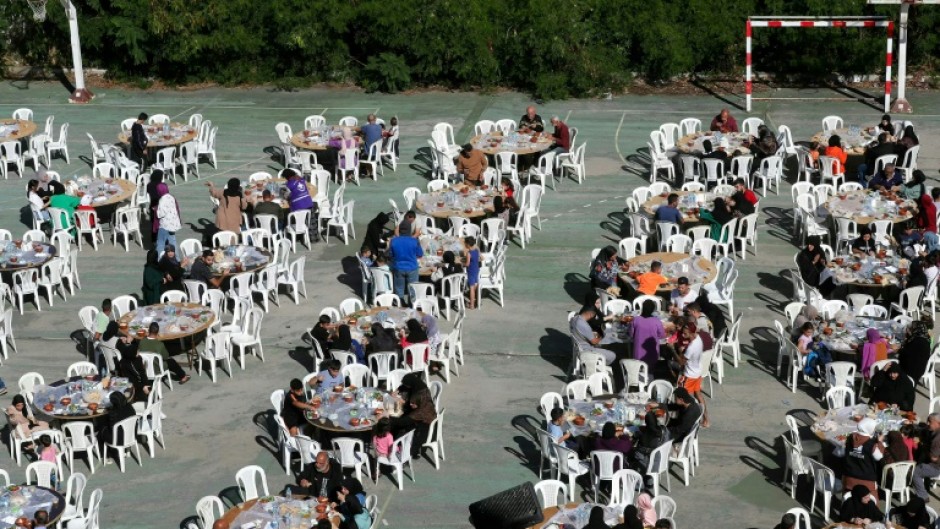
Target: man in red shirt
{"x": 561, "y": 136}
{"x": 724, "y": 122}
{"x": 749, "y": 195}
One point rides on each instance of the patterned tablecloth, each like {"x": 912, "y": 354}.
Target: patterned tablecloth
{"x": 78, "y": 393}
{"x": 460, "y": 201}
{"x": 390, "y": 317}
{"x": 277, "y": 512}
{"x": 698, "y": 269}
{"x": 577, "y": 517}
{"x": 835, "y": 425}
{"x": 528, "y": 143}
{"x": 104, "y": 192}
{"x": 434, "y": 248}
{"x": 319, "y": 138}
{"x": 854, "y": 138}
{"x": 277, "y": 186}
{"x": 694, "y": 143}
{"x": 628, "y": 411}
{"x": 865, "y": 271}
{"x": 865, "y": 207}
{"x": 15, "y": 257}
{"x": 176, "y": 320}
{"x": 689, "y": 204}
{"x": 339, "y": 410}
{"x": 23, "y": 501}
{"x": 178, "y": 133}
{"x": 250, "y": 259}
{"x": 850, "y": 337}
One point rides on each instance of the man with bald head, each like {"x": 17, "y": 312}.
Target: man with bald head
{"x": 531, "y": 121}
{"x": 323, "y": 478}
{"x": 371, "y": 132}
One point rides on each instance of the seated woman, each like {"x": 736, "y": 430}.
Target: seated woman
{"x": 505, "y": 209}
{"x": 811, "y": 261}
{"x": 596, "y": 519}
{"x": 414, "y": 333}
{"x": 864, "y": 245}
{"x": 120, "y": 410}
{"x": 914, "y": 353}
{"x": 19, "y": 417}
{"x": 132, "y": 367}
{"x": 913, "y": 515}
{"x": 605, "y": 269}
{"x": 610, "y": 439}
{"x": 652, "y": 436}
{"x": 861, "y": 508}
{"x": 719, "y": 215}
{"x": 835, "y": 150}
{"x": 893, "y": 388}
{"x": 345, "y": 342}
{"x": 381, "y": 341}
{"x": 874, "y": 349}
{"x": 418, "y": 413}
{"x": 173, "y": 270}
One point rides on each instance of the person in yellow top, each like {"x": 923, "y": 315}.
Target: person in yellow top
{"x": 650, "y": 282}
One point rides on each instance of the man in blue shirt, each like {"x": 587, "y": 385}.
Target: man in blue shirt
{"x": 886, "y": 178}
{"x": 371, "y": 133}
{"x": 669, "y": 212}
{"x": 405, "y": 250}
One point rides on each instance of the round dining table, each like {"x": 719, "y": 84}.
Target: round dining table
{"x": 868, "y": 272}
{"x": 22, "y": 501}
{"x": 865, "y": 207}
{"x": 458, "y": 201}
{"x": 698, "y": 269}
{"x": 277, "y": 187}
{"x": 690, "y": 203}
{"x": 296, "y": 513}
{"x": 834, "y": 426}
{"x": 694, "y": 143}
{"x": 239, "y": 258}
{"x": 434, "y": 247}
{"x": 319, "y": 139}
{"x": 178, "y": 321}
{"x": 179, "y": 133}
{"x": 849, "y": 336}
{"x": 576, "y": 515}
{"x": 71, "y": 399}
{"x": 854, "y": 140}
{"x": 17, "y": 255}
{"x": 360, "y": 322}
{"x": 105, "y": 192}
{"x": 350, "y": 409}
{"x": 16, "y": 129}
{"x": 521, "y": 144}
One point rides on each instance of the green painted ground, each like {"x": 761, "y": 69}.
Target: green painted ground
{"x": 513, "y": 352}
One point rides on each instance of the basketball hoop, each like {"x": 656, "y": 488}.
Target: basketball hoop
{"x": 39, "y": 9}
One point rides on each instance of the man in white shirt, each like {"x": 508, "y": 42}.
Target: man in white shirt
{"x": 168, "y": 212}
{"x": 682, "y": 295}
{"x": 691, "y": 361}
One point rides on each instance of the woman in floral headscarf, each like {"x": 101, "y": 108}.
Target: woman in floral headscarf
{"x": 874, "y": 349}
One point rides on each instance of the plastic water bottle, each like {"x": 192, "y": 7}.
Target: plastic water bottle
{"x": 290, "y": 495}
{"x": 166, "y": 127}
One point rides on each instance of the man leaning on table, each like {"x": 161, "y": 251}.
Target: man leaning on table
{"x": 531, "y": 121}
{"x": 929, "y": 469}
{"x": 151, "y": 344}
{"x": 471, "y": 163}
{"x": 561, "y": 135}
{"x": 202, "y": 270}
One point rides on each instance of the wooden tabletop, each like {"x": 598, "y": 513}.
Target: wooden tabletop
{"x": 27, "y": 128}
{"x": 672, "y": 257}
{"x": 253, "y": 191}
{"x": 231, "y": 514}
{"x": 5, "y": 266}
{"x": 299, "y": 137}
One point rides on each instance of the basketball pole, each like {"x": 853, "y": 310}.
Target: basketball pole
{"x": 900, "y": 103}
{"x": 81, "y": 94}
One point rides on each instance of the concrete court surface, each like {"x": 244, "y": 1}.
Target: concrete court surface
{"x": 514, "y": 354}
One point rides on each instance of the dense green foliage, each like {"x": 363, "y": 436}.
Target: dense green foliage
{"x": 549, "y": 48}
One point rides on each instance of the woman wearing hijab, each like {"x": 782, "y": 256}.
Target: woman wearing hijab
{"x": 861, "y": 508}
{"x": 376, "y": 236}
{"x": 604, "y": 269}
{"x": 414, "y": 333}
{"x": 228, "y": 216}
{"x": 884, "y": 125}
{"x": 913, "y": 515}
{"x": 156, "y": 178}
{"x": 132, "y": 367}
{"x": 908, "y": 139}
{"x": 652, "y": 436}
{"x": 916, "y": 276}
{"x": 863, "y": 451}
{"x": 720, "y": 211}
{"x": 811, "y": 261}
{"x": 808, "y": 314}
{"x": 926, "y": 214}
{"x": 874, "y": 350}
{"x": 610, "y": 439}
{"x": 914, "y": 189}
{"x": 382, "y": 340}
{"x": 18, "y": 416}
{"x": 915, "y": 350}
{"x": 596, "y": 519}
{"x": 896, "y": 450}
{"x": 631, "y": 519}
{"x": 418, "y": 411}
{"x": 153, "y": 280}
{"x": 713, "y": 313}
{"x": 648, "y": 331}
{"x": 644, "y": 503}
{"x": 120, "y": 410}
{"x": 352, "y": 498}
{"x": 345, "y": 342}
{"x": 893, "y": 388}
{"x": 172, "y": 270}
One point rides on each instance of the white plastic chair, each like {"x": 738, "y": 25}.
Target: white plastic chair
{"x": 659, "y": 466}
{"x": 40, "y": 473}
{"x": 209, "y": 509}
{"x": 626, "y": 485}
{"x": 831, "y": 123}
{"x": 840, "y": 397}
{"x": 217, "y": 349}
{"x": 901, "y": 474}
{"x": 126, "y": 431}
{"x": 351, "y": 453}
{"x": 604, "y": 463}
{"x": 248, "y": 479}
{"x": 399, "y": 456}
{"x": 569, "y": 464}
{"x": 548, "y": 491}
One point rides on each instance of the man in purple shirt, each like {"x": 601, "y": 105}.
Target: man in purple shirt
{"x": 300, "y": 198}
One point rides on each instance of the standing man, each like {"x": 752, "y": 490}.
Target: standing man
{"x": 531, "y": 121}
{"x": 930, "y": 468}
{"x": 300, "y": 200}
{"x": 405, "y": 251}
{"x": 561, "y": 136}
{"x": 139, "y": 140}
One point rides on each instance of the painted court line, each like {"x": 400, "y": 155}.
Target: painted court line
{"x": 181, "y": 113}
{"x": 617, "y": 138}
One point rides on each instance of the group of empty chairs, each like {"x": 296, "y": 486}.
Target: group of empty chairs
{"x": 39, "y": 148}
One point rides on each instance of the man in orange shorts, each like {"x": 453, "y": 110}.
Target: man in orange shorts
{"x": 691, "y": 361}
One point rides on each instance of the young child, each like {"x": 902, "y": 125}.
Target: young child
{"x": 382, "y": 438}
{"x": 473, "y": 269}
{"x": 365, "y": 256}
{"x": 48, "y": 453}
{"x": 382, "y": 263}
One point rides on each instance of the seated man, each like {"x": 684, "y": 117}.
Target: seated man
{"x": 323, "y": 479}
{"x": 268, "y": 206}
{"x": 882, "y": 147}
{"x": 689, "y": 412}
{"x": 682, "y": 295}
{"x": 371, "y": 133}
{"x": 531, "y": 121}
{"x": 561, "y": 135}
{"x": 471, "y": 163}
{"x": 649, "y": 282}
{"x": 887, "y": 178}
{"x": 202, "y": 270}
{"x": 724, "y": 122}
{"x": 585, "y": 337}
{"x": 151, "y": 344}
{"x": 330, "y": 377}
{"x": 669, "y": 212}
{"x": 740, "y": 186}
